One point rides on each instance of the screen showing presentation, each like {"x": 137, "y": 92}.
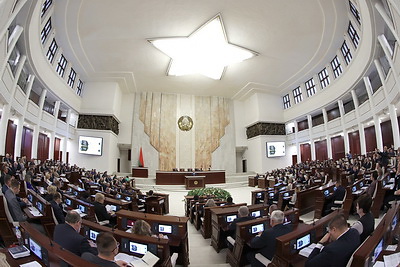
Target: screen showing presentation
{"x": 137, "y": 248}
{"x": 90, "y": 145}
{"x": 275, "y": 149}
{"x": 230, "y": 218}
{"x": 68, "y": 202}
{"x": 303, "y": 242}
{"x": 257, "y": 228}
{"x": 166, "y": 229}
{"x": 39, "y": 206}
{"x": 256, "y": 213}
{"x": 82, "y": 208}
{"x": 35, "y": 248}
{"x": 93, "y": 235}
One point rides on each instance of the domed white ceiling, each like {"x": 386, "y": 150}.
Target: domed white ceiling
{"x": 107, "y": 41}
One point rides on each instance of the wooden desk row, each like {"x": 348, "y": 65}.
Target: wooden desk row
{"x": 48, "y": 252}
{"x": 173, "y": 226}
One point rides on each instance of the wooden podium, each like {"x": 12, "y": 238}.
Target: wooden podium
{"x": 193, "y": 182}
{"x": 140, "y": 172}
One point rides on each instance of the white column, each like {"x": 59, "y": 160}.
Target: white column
{"x": 17, "y": 8}
{"x": 18, "y": 137}
{"x": 35, "y": 140}
{"x": 5, "y": 115}
{"x": 12, "y": 41}
{"x": 342, "y": 122}
{"x": 378, "y": 132}
{"x": 392, "y": 108}
{"x": 309, "y": 121}
{"x": 328, "y": 137}
{"x": 296, "y": 130}
{"x": 386, "y": 18}
{"x": 363, "y": 145}
{"x": 51, "y": 144}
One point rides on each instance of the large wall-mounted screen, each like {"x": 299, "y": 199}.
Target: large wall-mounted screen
{"x": 275, "y": 149}
{"x": 90, "y": 145}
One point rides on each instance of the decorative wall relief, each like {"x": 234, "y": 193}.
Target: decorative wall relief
{"x": 158, "y": 114}
{"x": 265, "y": 128}
{"x": 98, "y": 122}
{"x": 212, "y": 116}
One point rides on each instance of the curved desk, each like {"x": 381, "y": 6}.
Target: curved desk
{"x": 175, "y": 178}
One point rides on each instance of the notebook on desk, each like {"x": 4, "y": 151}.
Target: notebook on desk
{"x": 19, "y": 252}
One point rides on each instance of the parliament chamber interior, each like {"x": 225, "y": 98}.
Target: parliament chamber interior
{"x": 201, "y": 133}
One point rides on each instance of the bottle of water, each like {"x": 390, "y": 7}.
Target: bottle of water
{"x": 19, "y": 236}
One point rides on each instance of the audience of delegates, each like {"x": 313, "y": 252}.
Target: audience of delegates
{"x": 243, "y": 216}
{"x": 336, "y": 246}
{"x": 107, "y": 248}
{"x": 67, "y": 235}
{"x": 229, "y": 201}
{"x": 57, "y": 208}
{"x": 13, "y": 204}
{"x": 337, "y": 195}
{"x": 366, "y": 224}
{"x": 265, "y": 242}
{"x": 101, "y": 211}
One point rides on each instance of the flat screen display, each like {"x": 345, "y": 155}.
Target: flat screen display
{"x": 230, "y": 218}
{"x": 354, "y": 189}
{"x": 303, "y": 241}
{"x": 377, "y": 251}
{"x": 257, "y": 228}
{"x": 35, "y": 248}
{"x": 30, "y": 197}
{"x": 82, "y": 208}
{"x": 90, "y": 145}
{"x": 39, "y": 206}
{"x": 68, "y": 202}
{"x": 118, "y": 196}
{"x": 286, "y": 194}
{"x": 128, "y": 198}
{"x": 361, "y": 184}
{"x": 275, "y": 149}
{"x": 326, "y": 193}
{"x": 93, "y": 235}
{"x": 137, "y": 248}
{"x": 259, "y": 195}
{"x": 256, "y": 213}
{"x": 165, "y": 229}
{"x": 394, "y": 222}
{"x": 271, "y": 194}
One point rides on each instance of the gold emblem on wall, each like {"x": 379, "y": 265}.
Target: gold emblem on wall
{"x": 185, "y": 123}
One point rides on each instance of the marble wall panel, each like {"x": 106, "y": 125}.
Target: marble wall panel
{"x": 147, "y": 118}
{"x": 167, "y": 150}
{"x": 155, "y": 121}
{"x": 202, "y": 132}
{"x": 142, "y": 107}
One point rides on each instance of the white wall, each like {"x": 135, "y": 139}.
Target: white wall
{"x": 256, "y": 154}
{"x": 239, "y": 120}
{"x": 106, "y": 162}
{"x": 103, "y": 98}
{"x": 125, "y": 163}
{"x": 126, "y": 115}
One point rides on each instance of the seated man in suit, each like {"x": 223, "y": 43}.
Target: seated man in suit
{"x": 344, "y": 242}
{"x": 67, "y": 235}
{"x": 107, "y": 247}
{"x": 243, "y": 216}
{"x": 338, "y": 194}
{"x": 57, "y": 209}
{"x": 13, "y": 204}
{"x": 101, "y": 211}
{"x": 7, "y": 183}
{"x": 265, "y": 242}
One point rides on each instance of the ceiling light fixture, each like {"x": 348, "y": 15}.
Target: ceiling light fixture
{"x": 206, "y": 51}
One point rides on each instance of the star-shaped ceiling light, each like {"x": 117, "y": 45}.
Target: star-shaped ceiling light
{"x": 206, "y": 51}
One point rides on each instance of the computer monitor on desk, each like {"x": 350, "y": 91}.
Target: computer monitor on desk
{"x": 256, "y": 213}
{"x": 136, "y": 248}
{"x": 230, "y": 218}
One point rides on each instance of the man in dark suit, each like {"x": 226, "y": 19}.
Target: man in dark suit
{"x": 265, "y": 242}
{"x": 13, "y": 205}
{"x": 101, "y": 211}
{"x": 243, "y": 215}
{"x": 344, "y": 242}
{"x": 55, "y": 205}
{"x": 338, "y": 194}
{"x": 67, "y": 235}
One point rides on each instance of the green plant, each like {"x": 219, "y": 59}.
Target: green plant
{"x": 210, "y": 191}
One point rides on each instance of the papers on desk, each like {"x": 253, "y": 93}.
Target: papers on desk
{"x": 31, "y": 264}
{"x": 35, "y": 212}
{"x": 305, "y": 252}
{"x": 148, "y": 260}
{"x": 80, "y": 212}
{"x": 357, "y": 192}
{"x": 391, "y": 247}
{"x": 389, "y": 186}
{"x": 391, "y": 180}
{"x": 19, "y": 252}
{"x": 391, "y": 260}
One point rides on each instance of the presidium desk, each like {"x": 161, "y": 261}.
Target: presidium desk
{"x": 177, "y": 177}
